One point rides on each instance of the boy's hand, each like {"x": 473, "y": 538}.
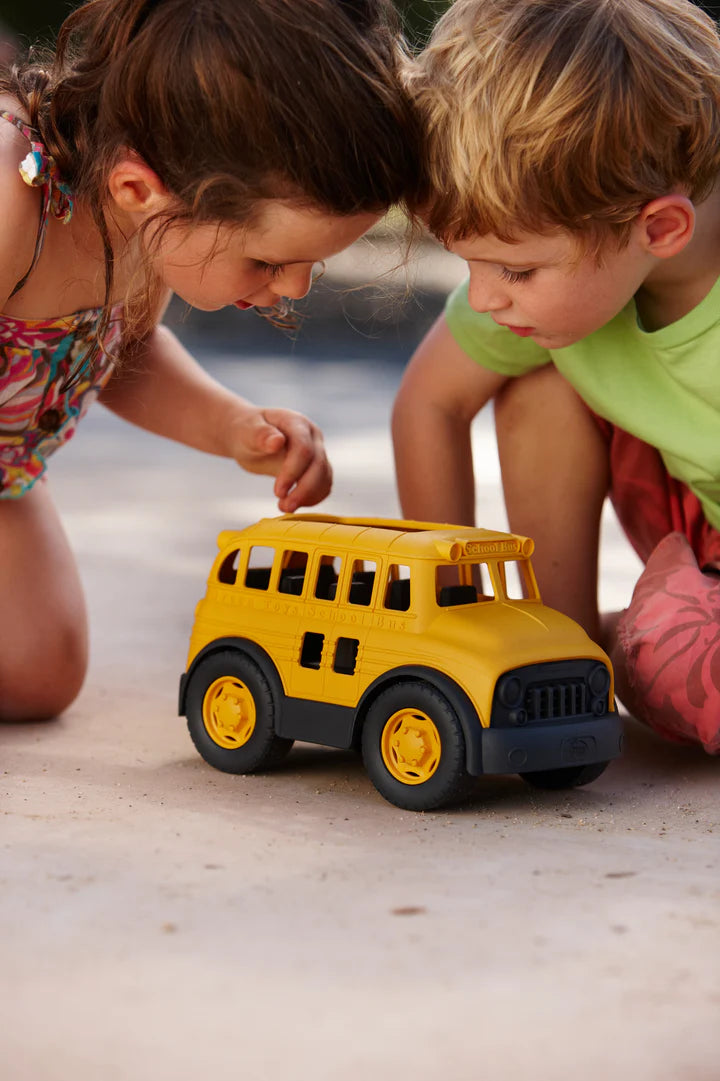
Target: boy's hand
{"x": 288, "y": 446}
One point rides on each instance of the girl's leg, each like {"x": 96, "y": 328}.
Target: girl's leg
{"x": 555, "y": 472}
{"x": 43, "y": 622}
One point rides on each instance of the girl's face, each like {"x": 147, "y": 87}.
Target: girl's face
{"x": 213, "y": 266}
{"x": 541, "y": 288}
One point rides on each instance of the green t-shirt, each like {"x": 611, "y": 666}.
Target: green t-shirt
{"x": 663, "y": 387}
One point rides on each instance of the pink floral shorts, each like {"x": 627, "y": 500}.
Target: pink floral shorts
{"x": 670, "y": 632}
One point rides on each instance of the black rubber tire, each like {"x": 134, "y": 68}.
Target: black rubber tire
{"x": 565, "y": 776}
{"x": 450, "y": 783}
{"x": 264, "y": 748}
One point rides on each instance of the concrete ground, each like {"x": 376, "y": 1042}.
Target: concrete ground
{"x": 163, "y": 920}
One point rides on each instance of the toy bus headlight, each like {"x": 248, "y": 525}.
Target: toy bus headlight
{"x": 599, "y": 681}
{"x": 510, "y": 692}
{"x": 599, "y": 684}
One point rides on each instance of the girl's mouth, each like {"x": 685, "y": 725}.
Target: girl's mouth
{"x": 243, "y": 305}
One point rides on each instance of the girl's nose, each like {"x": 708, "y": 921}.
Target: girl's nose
{"x": 295, "y": 281}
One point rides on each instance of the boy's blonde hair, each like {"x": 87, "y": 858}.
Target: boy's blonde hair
{"x": 569, "y": 113}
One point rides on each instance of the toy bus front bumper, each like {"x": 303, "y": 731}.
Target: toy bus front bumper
{"x": 580, "y": 742}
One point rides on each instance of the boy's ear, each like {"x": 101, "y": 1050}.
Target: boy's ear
{"x": 135, "y": 188}
{"x": 667, "y": 225}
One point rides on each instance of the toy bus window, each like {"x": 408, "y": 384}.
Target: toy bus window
{"x": 346, "y": 652}
{"x": 482, "y": 580}
{"x": 229, "y": 568}
{"x": 397, "y": 590}
{"x": 292, "y": 573}
{"x": 462, "y": 583}
{"x": 516, "y": 581}
{"x": 362, "y": 581}
{"x": 312, "y": 647}
{"x": 327, "y": 578}
{"x": 260, "y": 561}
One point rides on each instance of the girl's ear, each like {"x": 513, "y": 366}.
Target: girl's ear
{"x": 667, "y": 225}
{"x": 135, "y": 188}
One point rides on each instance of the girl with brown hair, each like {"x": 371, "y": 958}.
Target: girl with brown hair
{"x": 209, "y": 148}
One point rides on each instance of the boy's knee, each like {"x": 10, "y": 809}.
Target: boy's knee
{"x": 40, "y": 681}
{"x": 534, "y": 397}
{"x": 669, "y": 640}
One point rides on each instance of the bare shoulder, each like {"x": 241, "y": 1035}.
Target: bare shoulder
{"x": 19, "y": 210}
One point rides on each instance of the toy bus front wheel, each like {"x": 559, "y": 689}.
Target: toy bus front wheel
{"x": 414, "y": 749}
{"x": 231, "y": 714}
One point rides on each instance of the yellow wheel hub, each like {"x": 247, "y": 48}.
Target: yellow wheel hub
{"x": 410, "y": 746}
{"x": 229, "y": 712}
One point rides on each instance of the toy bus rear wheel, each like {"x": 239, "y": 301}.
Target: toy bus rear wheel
{"x": 414, "y": 749}
{"x": 565, "y": 776}
{"x": 231, "y": 714}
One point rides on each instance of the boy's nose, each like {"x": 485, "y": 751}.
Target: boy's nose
{"x": 486, "y": 295}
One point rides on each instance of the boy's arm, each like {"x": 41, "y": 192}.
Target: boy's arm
{"x": 442, "y": 391}
{"x": 163, "y": 389}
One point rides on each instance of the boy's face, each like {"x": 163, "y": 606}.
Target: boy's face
{"x": 542, "y": 287}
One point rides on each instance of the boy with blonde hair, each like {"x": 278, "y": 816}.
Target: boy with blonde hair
{"x": 573, "y": 151}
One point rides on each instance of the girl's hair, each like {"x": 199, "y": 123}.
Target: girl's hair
{"x": 569, "y": 113}
{"x": 230, "y": 102}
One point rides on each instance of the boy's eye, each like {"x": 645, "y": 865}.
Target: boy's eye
{"x": 271, "y": 269}
{"x": 515, "y": 276}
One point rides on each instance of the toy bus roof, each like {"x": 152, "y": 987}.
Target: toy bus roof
{"x": 399, "y": 537}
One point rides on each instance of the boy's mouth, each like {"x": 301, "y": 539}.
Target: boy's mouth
{"x": 522, "y": 332}
{"x": 243, "y": 305}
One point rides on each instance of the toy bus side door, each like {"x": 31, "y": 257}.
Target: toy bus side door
{"x": 335, "y": 618}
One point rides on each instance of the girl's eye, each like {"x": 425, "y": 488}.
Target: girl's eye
{"x": 271, "y": 269}
{"x": 515, "y": 276}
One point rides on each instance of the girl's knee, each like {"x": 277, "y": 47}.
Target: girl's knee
{"x": 43, "y": 622}
{"x": 43, "y": 678}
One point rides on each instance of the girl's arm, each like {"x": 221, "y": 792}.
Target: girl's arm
{"x": 442, "y": 391}
{"x": 164, "y": 390}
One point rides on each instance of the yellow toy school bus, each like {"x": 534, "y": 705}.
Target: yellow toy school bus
{"x": 425, "y": 645}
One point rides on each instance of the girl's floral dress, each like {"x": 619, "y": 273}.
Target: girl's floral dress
{"x": 50, "y": 369}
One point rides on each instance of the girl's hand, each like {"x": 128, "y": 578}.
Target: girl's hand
{"x": 166, "y": 391}
{"x": 288, "y": 446}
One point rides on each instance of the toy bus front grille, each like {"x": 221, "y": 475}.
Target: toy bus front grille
{"x": 556, "y": 700}
{"x": 551, "y": 692}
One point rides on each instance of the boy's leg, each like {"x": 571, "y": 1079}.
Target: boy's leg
{"x": 667, "y": 641}
{"x": 43, "y": 622}
{"x": 555, "y": 472}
